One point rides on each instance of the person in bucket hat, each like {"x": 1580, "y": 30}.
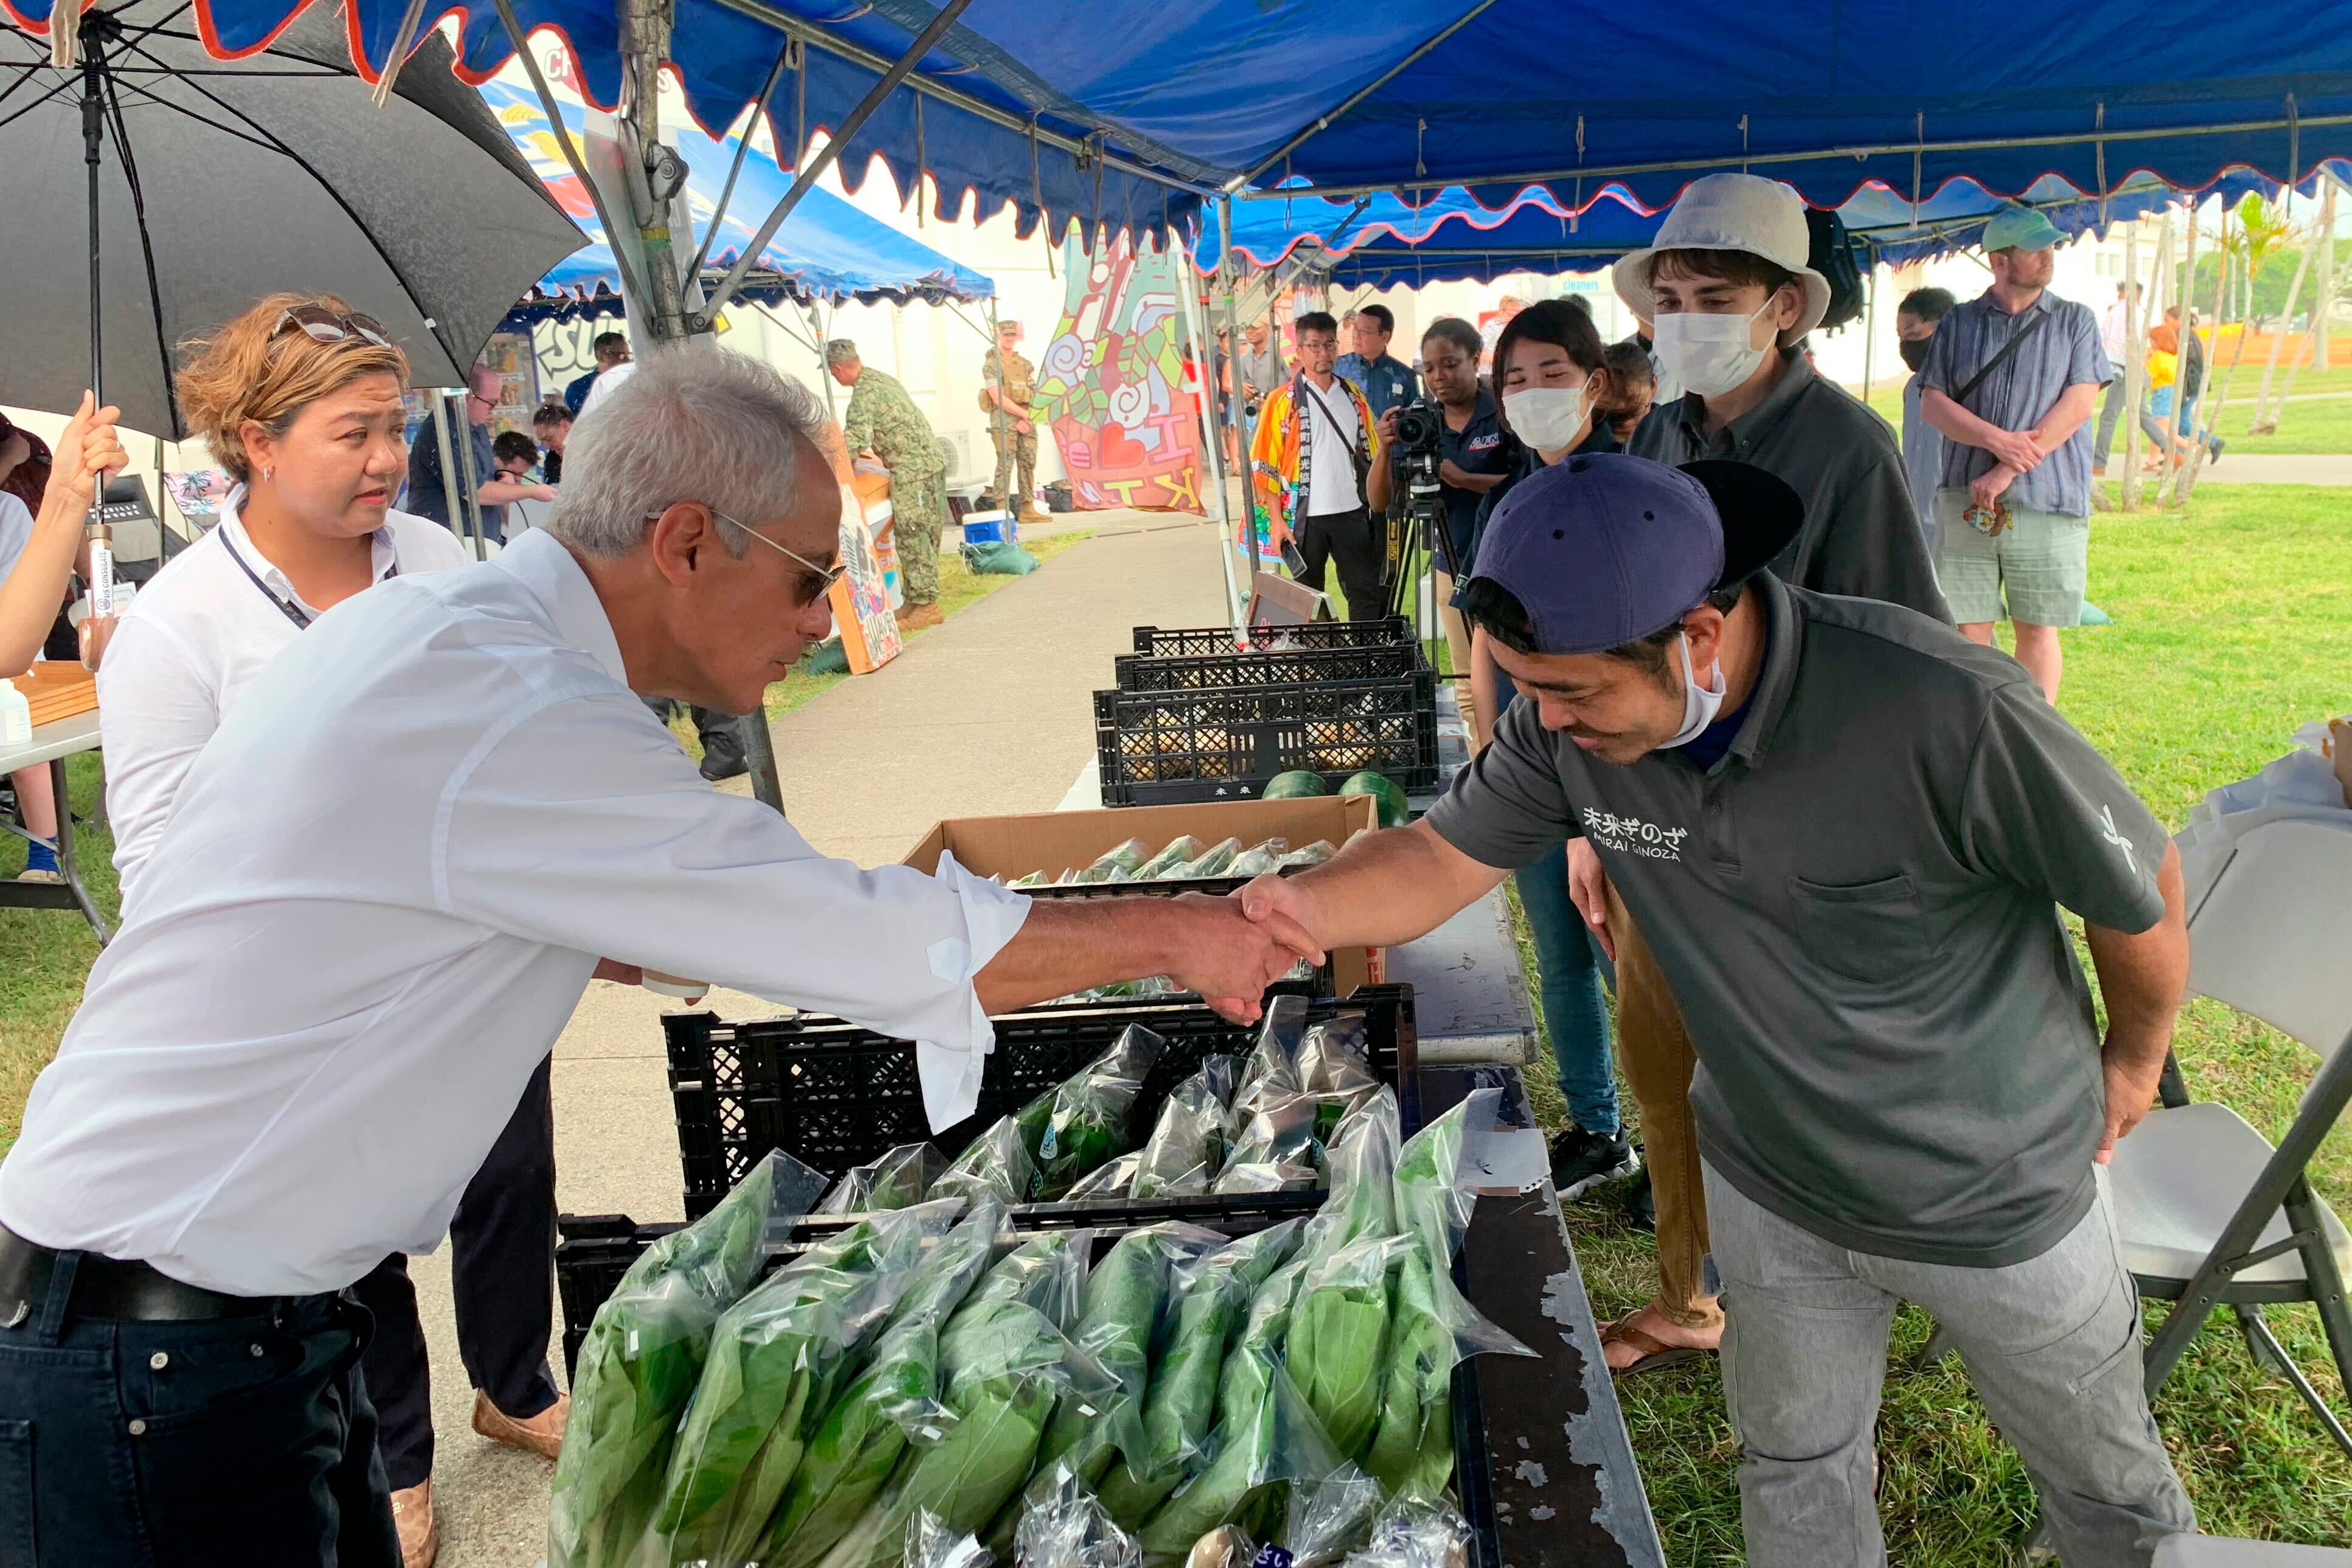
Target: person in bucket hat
{"x": 1850, "y": 832}
{"x": 1726, "y": 296}
{"x": 2011, "y": 379}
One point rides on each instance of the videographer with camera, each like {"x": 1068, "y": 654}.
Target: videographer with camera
{"x": 1457, "y": 434}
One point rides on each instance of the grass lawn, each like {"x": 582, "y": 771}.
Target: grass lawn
{"x": 45, "y": 954}
{"x": 2231, "y": 629}
{"x": 2323, "y": 424}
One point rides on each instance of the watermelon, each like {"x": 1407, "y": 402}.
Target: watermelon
{"x": 1393, "y": 812}
{"x": 1295, "y": 785}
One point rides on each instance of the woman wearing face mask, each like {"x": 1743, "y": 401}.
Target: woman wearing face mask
{"x": 301, "y": 400}
{"x": 1552, "y": 370}
{"x": 1475, "y": 453}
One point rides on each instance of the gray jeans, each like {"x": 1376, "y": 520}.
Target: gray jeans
{"x": 2052, "y": 1345}
{"x": 2111, "y": 408}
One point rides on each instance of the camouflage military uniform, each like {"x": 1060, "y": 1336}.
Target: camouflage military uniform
{"x": 882, "y": 417}
{"x": 1015, "y": 449}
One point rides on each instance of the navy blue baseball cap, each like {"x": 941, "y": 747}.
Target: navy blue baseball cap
{"x": 1605, "y": 549}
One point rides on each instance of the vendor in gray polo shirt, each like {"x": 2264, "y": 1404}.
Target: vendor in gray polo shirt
{"x": 1849, "y": 832}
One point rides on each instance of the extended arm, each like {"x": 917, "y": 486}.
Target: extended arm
{"x": 1382, "y": 889}
{"x": 2142, "y": 978}
{"x": 1205, "y": 944}
{"x": 1486, "y": 689}
{"x": 36, "y": 587}
{"x": 498, "y": 492}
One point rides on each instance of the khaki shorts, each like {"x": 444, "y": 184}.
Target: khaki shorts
{"x": 2041, "y": 563}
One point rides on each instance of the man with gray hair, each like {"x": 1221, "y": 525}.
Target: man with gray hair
{"x": 390, "y": 876}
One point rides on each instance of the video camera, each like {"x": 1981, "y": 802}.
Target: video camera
{"x": 1419, "y": 437}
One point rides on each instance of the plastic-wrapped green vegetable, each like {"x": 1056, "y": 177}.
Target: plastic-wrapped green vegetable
{"x": 1272, "y": 1070}
{"x": 1211, "y": 863}
{"x": 1277, "y": 1149}
{"x": 997, "y": 1165}
{"x": 1068, "y": 1528}
{"x": 898, "y": 1179}
{"x": 1432, "y": 1327}
{"x": 1125, "y": 1296}
{"x": 1087, "y": 1121}
{"x": 1033, "y": 879}
{"x": 1118, "y": 865}
{"x": 861, "y": 1438}
{"x": 1314, "y": 854}
{"x": 777, "y": 1358}
{"x": 1331, "y": 1518}
{"x": 931, "y": 1544}
{"x": 1006, "y": 1360}
{"x": 1105, "y": 1183}
{"x": 639, "y": 1362}
{"x": 1416, "y": 1533}
{"x": 1259, "y": 859}
{"x": 1334, "y": 1057}
{"x": 1163, "y": 865}
{"x": 1339, "y": 1330}
{"x": 1258, "y": 1350}
{"x": 1189, "y": 1142}
{"x": 1260, "y": 1449}
{"x": 1212, "y": 1296}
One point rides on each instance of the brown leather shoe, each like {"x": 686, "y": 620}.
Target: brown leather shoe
{"x": 542, "y": 1434}
{"x": 922, "y": 615}
{"x": 420, "y": 1536}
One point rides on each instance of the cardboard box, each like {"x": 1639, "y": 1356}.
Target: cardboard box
{"x": 1055, "y": 841}
{"x": 1280, "y": 601}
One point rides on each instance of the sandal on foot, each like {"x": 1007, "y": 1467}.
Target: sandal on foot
{"x": 1655, "y": 1353}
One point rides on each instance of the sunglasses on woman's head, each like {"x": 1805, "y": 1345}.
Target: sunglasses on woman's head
{"x": 326, "y": 326}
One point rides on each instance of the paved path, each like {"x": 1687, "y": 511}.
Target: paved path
{"x": 991, "y": 713}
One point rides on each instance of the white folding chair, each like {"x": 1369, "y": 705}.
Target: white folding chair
{"x": 2208, "y": 1212}
{"x": 2226, "y": 1551}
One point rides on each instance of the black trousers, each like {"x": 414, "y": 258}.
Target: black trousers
{"x": 233, "y": 1443}
{"x": 1349, "y": 541}
{"x": 722, "y": 740}
{"x": 502, "y": 1247}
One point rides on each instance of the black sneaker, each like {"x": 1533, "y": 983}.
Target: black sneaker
{"x": 1641, "y": 1204}
{"x": 1581, "y": 1160}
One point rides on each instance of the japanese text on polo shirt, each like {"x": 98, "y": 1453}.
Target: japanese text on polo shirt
{"x": 1631, "y": 835}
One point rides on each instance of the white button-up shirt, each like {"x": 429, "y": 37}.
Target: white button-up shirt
{"x": 386, "y": 882}
{"x": 1331, "y": 425}
{"x": 186, "y": 646}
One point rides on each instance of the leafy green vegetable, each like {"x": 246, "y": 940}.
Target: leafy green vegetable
{"x": 1005, "y": 1353}
{"x": 898, "y": 1179}
{"x": 639, "y": 1363}
{"x": 1163, "y": 865}
{"x": 855, "y": 1448}
{"x": 1125, "y": 1295}
{"x": 996, "y": 1166}
{"x": 1260, "y": 1448}
{"x": 1334, "y": 1057}
{"x": 1189, "y": 1142}
{"x": 1273, "y": 1066}
{"x": 1105, "y": 1183}
{"x": 1314, "y": 854}
{"x": 1212, "y": 861}
{"x": 1067, "y": 1527}
{"x": 1339, "y": 1329}
{"x": 1258, "y": 858}
{"x": 1087, "y": 1122}
{"x": 1118, "y": 865}
{"x": 776, "y": 1358}
{"x": 1212, "y": 1296}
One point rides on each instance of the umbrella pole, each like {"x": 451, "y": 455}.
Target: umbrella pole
{"x": 1229, "y": 271}
{"x": 93, "y": 140}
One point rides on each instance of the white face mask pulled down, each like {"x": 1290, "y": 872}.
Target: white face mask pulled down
{"x": 1546, "y": 417}
{"x": 1705, "y": 353}
{"x": 1701, "y": 704}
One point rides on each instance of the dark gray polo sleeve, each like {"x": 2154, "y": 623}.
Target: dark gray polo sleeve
{"x": 1508, "y": 808}
{"x": 2045, "y": 811}
{"x": 1871, "y": 549}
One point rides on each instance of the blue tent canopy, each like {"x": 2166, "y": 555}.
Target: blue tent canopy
{"x": 1080, "y": 109}
{"x": 1382, "y": 241}
{"x": 829, "y": 250}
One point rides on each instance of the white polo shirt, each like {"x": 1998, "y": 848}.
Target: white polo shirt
{"x": 386, "y": 882}
{"x": 16, "y": 530}
{"x": 191, "y": 639}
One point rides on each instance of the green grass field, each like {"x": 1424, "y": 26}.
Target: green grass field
{"x": 2231, "y": 629}
{"x": 44, "y": 954}
{"x": 2321, "y": 425}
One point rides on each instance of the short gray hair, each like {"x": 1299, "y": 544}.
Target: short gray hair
{"x": 689, "y": 423}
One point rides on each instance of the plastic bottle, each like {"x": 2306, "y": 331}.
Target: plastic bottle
{"x": 16, "y": 716}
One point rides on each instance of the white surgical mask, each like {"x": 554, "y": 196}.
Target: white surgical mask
{"x": 1546, "y": 417}
{"x": 1708, "y": 354}
{"x": 1701, "y": 704}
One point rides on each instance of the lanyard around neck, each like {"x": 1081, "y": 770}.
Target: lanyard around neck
{"x": 292, "y": 611}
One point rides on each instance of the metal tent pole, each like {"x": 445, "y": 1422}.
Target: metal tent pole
{"x": 440, "y": 405}
{"x": 1246, "y": 536}
{"x": 473, "y": 502}
{"x": 1869, "y": 323}
{"x": 1212, "y": 430}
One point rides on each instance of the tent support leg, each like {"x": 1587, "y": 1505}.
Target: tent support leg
{"x": 1246, "y": 537}
{"x": 472, "y": 503}
{"x": 1211, "y": 398}
{"x": 840, "y": 135}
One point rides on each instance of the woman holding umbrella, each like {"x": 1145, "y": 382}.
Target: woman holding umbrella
{"x": 301, "y": 400}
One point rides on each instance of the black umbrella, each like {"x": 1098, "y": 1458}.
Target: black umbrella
{"x": 208, "y": 182}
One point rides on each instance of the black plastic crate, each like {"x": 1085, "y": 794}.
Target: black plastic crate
{"x": 836, "y": 1096}
{"x": 1162, "y": 748}
{"x": 1196, "y": 640}
{"x": 1195, "y": 672}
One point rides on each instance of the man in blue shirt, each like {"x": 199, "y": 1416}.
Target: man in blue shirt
{"x": 611, "y": 349}
{"x": 2011, "y": 378}
{"x": 1923, "y": 444}
{"x": 429, "y": 493}
{"x": 1385, "y": 381}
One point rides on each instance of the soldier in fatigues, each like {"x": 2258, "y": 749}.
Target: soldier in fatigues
{"x": 1007, "y": 382}
{"x": 883, "y": 420}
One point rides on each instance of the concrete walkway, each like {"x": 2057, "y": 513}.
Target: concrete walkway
{"x": 991, "y": 713}
{"x": 2261, "y": 469}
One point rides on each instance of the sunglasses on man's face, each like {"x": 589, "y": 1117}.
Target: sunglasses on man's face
{"x": 815, "y": 582}
{"x": 326, "y": 326}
